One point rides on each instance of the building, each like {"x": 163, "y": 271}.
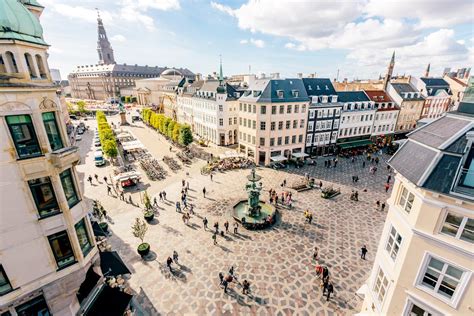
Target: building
{"x": 47, "y": 247}
{"x": 323, "y": 117}
{"x": 458, "y": 87}
{"x": 410, "y": 102}
{"x": 105, "y": 80}
{"x": 386, "y": 115}
{"x": 357, "y": 119}
{"x": 424, "y": 260}
{"x": 437, "y": 95}
{"x": 272, "y": 120}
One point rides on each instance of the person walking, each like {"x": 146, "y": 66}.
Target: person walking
{"x": 216, "y": 227}
{"x": 221, "y": 278}
{"x": 377, "y": 204}
{"x": 105, "y": 179}
{"x": 161, "y": 196}
{"x": 225, "y": 284}
{"x": 330, "y": 290}
{"x": 231, "y": 270}
{"x": 211, "y": 176}
{"x": 387, "y": 187}
{"x": 109, "y": 190}
{"x": 204, "y": 222}
{"x": 214, "y": 238}
{"x": 204, "y": 191}
{"x": 382, "y": 207}
{"x": 363, "y": 164}
{"x": 315, "y": 253}
{"x": 169, "y": 261}
{"x": 175, "y": 256}
{"x": 90, "y": 179}
{"x": 245, "y": 287}
{"x": 96, "y": 178}
{"x": 183, "y": 182}
{"x": 389, "y": 178}
{"x": 130, "y": 199}
{"x": 310, "y": 218}
{"x": 226, "y": 225}
{"x": 122, "y": 196}
{"x": 164, "y": 195}
{"x": 236, "y": 228}
{"x": 155, "y": 202}
{"x": 363, "y": 252}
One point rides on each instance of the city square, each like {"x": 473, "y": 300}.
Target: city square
{"x": 277, "y": 261}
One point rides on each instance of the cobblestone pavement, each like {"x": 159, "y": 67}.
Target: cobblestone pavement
{"x": 277, "y": 261}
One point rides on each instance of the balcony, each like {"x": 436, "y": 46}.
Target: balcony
{"x": 65, "y": 157}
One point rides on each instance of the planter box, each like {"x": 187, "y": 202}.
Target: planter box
{"x": 329, "y": 195}
{"x": 149, "y": 216}
{"x": 143, "y": 249}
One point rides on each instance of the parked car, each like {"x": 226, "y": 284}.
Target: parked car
{"x": 99, "y": 158}
{"x": 97, "y": 143}
{"x": 80, "y": 131}
{"x": 78, "y": 137}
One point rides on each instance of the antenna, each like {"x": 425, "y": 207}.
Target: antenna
{"x": 337, "y": 76}
{"x": 98, "y": 13}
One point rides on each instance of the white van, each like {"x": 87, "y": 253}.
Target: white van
{"x": 99, "y": 158}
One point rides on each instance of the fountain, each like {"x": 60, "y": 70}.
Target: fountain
{"x": 253, "y": 213}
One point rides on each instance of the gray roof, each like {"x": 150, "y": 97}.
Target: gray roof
{"x": 412, "y": 159}
{"x": 443, "y": 174}
{"x": 318, "y": 86}
{"x": 352, "y": 96}
{"x": 402, "y": 88}
{"x": 439, "y": 131}
{"x": 266, "y": 90}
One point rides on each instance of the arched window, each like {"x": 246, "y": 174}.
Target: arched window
{"x": 11, "y": 62}
{"x": 30, "y": 65}
{"x": 3, "y": 67}
{"x": 41, "y": 67}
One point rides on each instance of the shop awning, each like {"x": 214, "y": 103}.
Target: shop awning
{"x": 357, "y": 143}
{"x": 98, "y": 232}
{"x": 88, "y": 285}
{"x": 134, "y": 144}
{"x": 110, "y": 301}
{"x": 299, "y": 155}
{"x": 278, "y": 158}
{"x": 111, "y": 264}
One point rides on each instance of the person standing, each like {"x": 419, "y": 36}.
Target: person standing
{"x": 363, "y": 252}
{"x": 226, "y": 225}
{"x": 389, "y": 178}
{"x": 122, "y": 196}
{"x": 245, "y": 287}
{"x": 315, "y": 254}
{"x": 225, "y": 284}
{"x": 175, "y": 256}
{"x": 109, "y": 190}
{"x": 236, "y": 228}
{"x": 169, "y": 261}
{"x": 90, "y": 179}
{"x": 216, "y": 227}
{"x": 178, "y": 206}
{"x": 164, "y": 195}
{"x": 221, "y": 278}
{"x": 330, "y": 290}
{"x": 161, "y": 196}
{"x": 204, "y": 191}
{"x": 387, "y": 187}
{"x": 96, "y": 178}
{"x": 155, "y": 202}
{"x": 382, "y": 207}
{"x": 231, "y": 270}
{"x": 363, "y": 164}
{"x": 105, "y": 179}
{"x": 214, "y": 238}
{"x": 377, "y": 204}
{"x": 211, "y": 176}
{"x": 204, "y": 222}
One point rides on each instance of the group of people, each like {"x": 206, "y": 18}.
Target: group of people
{"x": 224, "y": 281}
{"x": 330, "y": 163}
{"x": 170, "y": 260}
{"x": 120, "y": 193}
{"x": 286, "y": 198}
{"x": 322, "y": 272}
{"x": 308, "y": 216}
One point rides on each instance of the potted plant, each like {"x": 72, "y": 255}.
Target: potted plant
{"x": 148, "y": 212}
{"x": 139, "y": 230}
{"x": 100, "y": 213}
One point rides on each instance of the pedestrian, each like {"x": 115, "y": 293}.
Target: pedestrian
{"x": 105, "y": 179}
{"x": 122, "y": 196}
{"x": 221, "y": 278}
{"x": 216, "y": 227}
{"x": 225, "y": 284}
{"x": 236, "y": 227}
{"x": 169, "y": 261}
{"x": 325, "y": 163}
{"x": 171, "y": 148}
{"x": 315, "y": 254}
{"x": 183, "y": 182}
{"x": 330, "y": 290}
{"x": 363, "y": 164}
{"x": 214, "y": 237}
{"x": 325, "y": 272}
{"x": 204, "y": 192}
{"x": 231, "y": 270}
{"x": 155, "y": 202}
{"x": 325, "y": 284}
{"x": 284, "y": 182}
{"x": 382, "y": 207}
{"x": 130, "y": 199}
{"x": 352, "y": 159}
{"x": 387, "y": 187}
{"x": 164, "y": 195}
{"x": 90, "y": 179}
{"x": 245, "y": 287}
{"x": 335, "y": 162}
{"x": 178, "y": 207}
{"x": 363, "y": 252}
{"x": 389, "y": 178}
{"x": 378, "y": 204}
{"x": 226, "y": 225}
{"x": 320, "y": 184}
{"x": 204, "y": 222}
{"x": 96, "y": 177}
{"x": 211, "y": 176}
{"x": 161, "y": 196}
{"x": 191, "y": 209}
{"x": 175, "y": 256}
{"x": 109, "y": 190}
{"x": 310, "y": 218}
{"x": 187, "y": 186}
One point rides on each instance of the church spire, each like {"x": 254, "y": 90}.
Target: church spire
{"x": 427, "y": 72}
{"x": 388, "y": 76}
{"x": 221, "y": 76}
{"x": 104, "y": 49}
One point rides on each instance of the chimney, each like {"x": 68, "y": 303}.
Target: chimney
{"x": 262, "y": 76}
{"x": 276, "y": 75}
{"x": 311, "y": 75}
{"x": 299, "y": 75}
{"x": 198, "y": 77}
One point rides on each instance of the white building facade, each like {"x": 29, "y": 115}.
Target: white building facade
{"x": 386, "y": 116}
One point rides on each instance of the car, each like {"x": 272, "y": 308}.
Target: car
{"x": 99, "y": 150}
{"x": 80, "y": 131}
{"x": 97, "y": 143}
{"x": 78, "y": 137}
{"x": 99, "y": 158}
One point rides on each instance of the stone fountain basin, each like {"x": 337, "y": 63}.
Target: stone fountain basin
{"x": 239, "y": 211}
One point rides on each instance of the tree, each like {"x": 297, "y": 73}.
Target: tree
{"x": 175, "y": 134}
{"x": 169, "y": 131}
{"x": 110, "y": 148}
{"x": 139, "y": 229}
{"x": 81, "y": 106}
{"x": 185, "y": 135}
{"x": 146, "y": 201}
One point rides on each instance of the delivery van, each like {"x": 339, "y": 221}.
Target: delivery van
{"x": 99, "y": 158}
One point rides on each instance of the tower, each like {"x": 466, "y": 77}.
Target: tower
{"x": 427, "y": 72}
{"x": 106, "y": 53}
{"x": 221, "y": 88}
{"x": 389, "y": 72}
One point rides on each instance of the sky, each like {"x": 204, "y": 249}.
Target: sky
{"x": 346, "y": 38}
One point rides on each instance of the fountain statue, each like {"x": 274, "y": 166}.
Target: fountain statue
{"x": 123, "y": 113}
{"x": 253, "y": 213}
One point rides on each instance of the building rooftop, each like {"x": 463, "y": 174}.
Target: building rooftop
{"x": 407, "y": 91}
{"x": 378, "y": 96}
{"x": 318, "y": 86}
{"x": 276, "y": 90}
{"x": 352, "y": 96}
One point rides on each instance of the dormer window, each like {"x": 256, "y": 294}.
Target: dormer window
{"x": 309, "y": 87}
{"x": 317, "y": 87}
{"x": 280, "y": 94}
{"x": 327, "y": 88}
{"x": 295, "y": 93}
{"x": 334, "y": 98}
{"x": 324, "y": 99}
{"x": 314, "y": 99}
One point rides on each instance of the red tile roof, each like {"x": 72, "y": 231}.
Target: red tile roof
{"x": 379, "y": 96}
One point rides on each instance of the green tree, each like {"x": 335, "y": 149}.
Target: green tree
{"x": 110, "y": 148}
{"x": 146, "y": 201}
{"x": 81, "y": 106}
{"x": 185, "y": 135}
{"x": 175, "y": 134}
{"x": 169, "y": 131}
{"x": 139, "y": 229}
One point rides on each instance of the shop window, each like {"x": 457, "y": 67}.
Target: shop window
{"x": 5, "y": 286}
{"x": 34, "y": 307}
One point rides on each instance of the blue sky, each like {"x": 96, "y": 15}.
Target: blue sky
{"x": 355, "y": 36}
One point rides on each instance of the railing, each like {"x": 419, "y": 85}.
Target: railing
{"x": 65, "y": 156}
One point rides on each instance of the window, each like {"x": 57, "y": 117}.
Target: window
{"x": 36, "y": 306}
{"x": 262, "y": 126}
{"x": 297, "y": 108}
{"x": 43, "y": 194}
{"x": 301, "y": 123}
{"x": 308, "y": 138}
{"x": 441, "y": 278}
{"x": 288, "y": 109}
{"x": 272, "y": 126}
{"x": 235, "y": 120}
{"x": 221, "y": 122}
{"x": 24, "y": 136}
{"x": 245, "y": 107}
{"x": 380, "y": 286}
{"x": 62, "y": 249}
{"x": 336, "y": 124}
{"x": 293, "y": 139}
{"x": 280, "y": 94}
{"x": 272, "y": 142}
{"x": 254, "y": 108}
{"x": 303, "y": 108}
{"x": 240, "y": 121}
{"x": 50, "y": 124}
{"x": 279, "y": 141}
{"x": 221, "y": 108}
{"x": 280, "y": 125}
{"x": 253, "y": 139}
{"x": 274, "y": 109}
{"x": 83, "y": 237}
{"x": 295, "y": 123}
{"x": 310, "y": 126}
{"x": 459, "y": 227}
{"x": 254, "y": 124}
{"x": 282, "y": 109}
{"x": 287, "y": 140}
{"x": 393, "y": 243}
{"x": 263, "y": 110}
{"x": 406, "y": 200}
{"x": 262, "y": 141}
{"x": 415, "y": 310}
{"x": 240, "y": 106}
{"x": 5, "y": 285}
{"x": 311, "y": 114}
{"x": 288, "y": 124}
{"x": 230, "y": 121}
{"x": 69, "y": 187}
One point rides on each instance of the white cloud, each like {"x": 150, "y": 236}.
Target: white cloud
{"x": 118, "y": 38}
{"x": 222, "y": 8}
{"x": 256, "y": 42}
{"x": 143, "y": 5}
{"x": 300, "y": 47}
{"x": 244, "y": 41}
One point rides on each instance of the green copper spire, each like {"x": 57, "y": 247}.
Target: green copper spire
{"x": 221, "y": 76}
